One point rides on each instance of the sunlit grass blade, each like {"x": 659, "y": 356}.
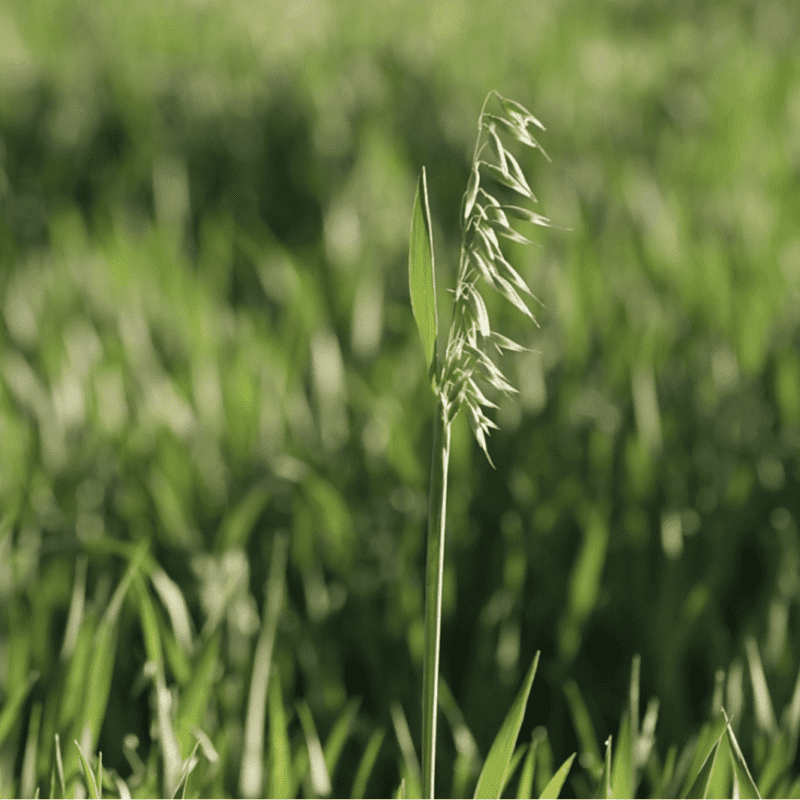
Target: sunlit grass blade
{"x": 623, "y": 776}
{"x": 553, "y": 789}
{"x": 746, "y": 784}
{"x": 765, "y": 715}
{"x": 647, "y": 737}
{"x": 101, "y": 665}
{"x": 202, "y": 742}
{"x": 251, "y": 770}
{"x": 779, "y": 760}
{"x": 13, "y": 704}
{"x": 421, "y": 271}
{"x": 700, "y": 784}
{"x": 519, "y": 753}
{"x": 28, "y": 772}
{"x": 412, "y": 782}
{"x": 168, "y": 741}
{"x": 590, "y": 759}
{"x": 367, "y": 763}
{"x": 122, "y": 788}
{"x": 320, "y": 779}
{"x": 467, "y": 760}
{"x": 335, "y": 742}
{"x": 544, "y": 759}
{"x": 175, "y": 656}
{"x": 60, "y": 766}
{"x": 91, "y": 782}
{"x": 76, "y": 607}
{"x": 183, "y": 775}
{"x": 525, "y": 786}
{"x": 604, "y": 789}
{"x": 279, "y": 779}
{"x": 174, "y": 602}
{"x": 707, "y": 741}
{"x": 721, "y": 779}
{"x": 791, "y": 716}
{"x": 193, "y": 700}
{"x": 494, "y": 774}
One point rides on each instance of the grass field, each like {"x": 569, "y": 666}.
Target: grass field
{"x": 216, "y": 422}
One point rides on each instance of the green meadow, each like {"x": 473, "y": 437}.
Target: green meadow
{"x": 217, "y": 423}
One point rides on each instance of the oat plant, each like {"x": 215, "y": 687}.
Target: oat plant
{"x": 467, "y": 368}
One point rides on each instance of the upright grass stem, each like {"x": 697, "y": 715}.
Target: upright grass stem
{"x": 455, "y": 378}
{"x": 437, "y": 512}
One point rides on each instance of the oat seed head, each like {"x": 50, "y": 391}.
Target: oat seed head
{"x": 482, "y": 263}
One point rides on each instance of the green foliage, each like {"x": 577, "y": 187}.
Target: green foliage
{"x": 421, "y": 273}
{"x": 205, "y": 345}
{"x": 496, "y": 768}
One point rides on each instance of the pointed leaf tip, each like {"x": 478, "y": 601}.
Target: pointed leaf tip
{"x": 495, "y": 770}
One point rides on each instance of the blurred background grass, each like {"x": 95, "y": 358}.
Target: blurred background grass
{"x": 206, "y": 338}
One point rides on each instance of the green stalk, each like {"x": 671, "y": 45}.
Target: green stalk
{"x": 437, "y": 507}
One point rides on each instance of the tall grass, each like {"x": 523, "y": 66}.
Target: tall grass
{"x": 457, "y": 377}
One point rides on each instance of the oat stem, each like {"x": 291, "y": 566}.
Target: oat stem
{"x": 437, "y": 509}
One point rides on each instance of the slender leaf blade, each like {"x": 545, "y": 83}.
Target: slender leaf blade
{"x": 91, "y": 782}
{"x": 335, "y": 742}
{"x": 421, "y": 273}
{"x": 412, "y": 777}
{"x": 604, "y": 789}
{"x": 699, "y": 787}
{"x": 747, "y": 786}
{"x": 365, "y": 766}
{"x": 590, "y": 757}
{"x": 280, "y": 773}
{"x": 553, "y": 789}
{"x": 525, "y": 788}
{"x": 495, "y": 769}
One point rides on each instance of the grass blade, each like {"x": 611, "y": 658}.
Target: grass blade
{"x": 175, "y": 603}
{"x": 28, "y": 776}
{"x": 335, "y": 742}
{"x": 765, "y": 715}
{"x": 707, "y": 740}
{"x": 366, "y": 764}
{"x": 494, "y": 774}
{"x": 604, "y": 789}
{"x": 279, "y": 780}
{"x": 525, "y": 787}
{"x": 12, "y": 706}
{"x": 411, "y": 784}
{"x": 467, "y": 760}
{"x": 699, "y": 786}
{"x": 194, "y": 699}
{"x": 421, "y": 272}
{"x": 745, "y": 782}
{"x": 320, "y": 779}
{"x": 591, "y": 759}
{"x": 251, "y": 771}
{"x": 553, "y": 789}
{"x": 91, "y": 783}
{"x": 60, "y": 767}
{"x": 623, "y": 776}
